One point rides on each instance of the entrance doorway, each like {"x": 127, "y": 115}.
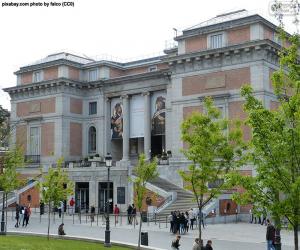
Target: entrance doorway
{"x": 157, "y": 145}
{"x": 103, "y": 197}
{"x": 81, "y": 197}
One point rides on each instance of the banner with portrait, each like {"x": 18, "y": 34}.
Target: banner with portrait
{"x": 158, "y": 113}
{"x": 136, "y": 114}
{"x": 116, "y": 118}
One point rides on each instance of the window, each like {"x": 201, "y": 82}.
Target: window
{"x": 216, "y": 41}
{"x": 152, "y": 68}
{"x": 93, "y": 75}
{"x": 34, "y": 141}
{"x": 92, "y": 139}
{"x": 37, "y": 76}
{"x": 92, "y": 108}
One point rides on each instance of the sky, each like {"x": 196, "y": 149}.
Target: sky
{"x": 125, "y": 29}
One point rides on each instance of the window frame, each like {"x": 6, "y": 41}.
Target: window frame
{"x": 90, "y": 108}
{"x": 35, "y": 74}
{"x": 94, "y": 77}
{"x": 92, "y": 140}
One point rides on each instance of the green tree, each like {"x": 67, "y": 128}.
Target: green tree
{"x": 144, "y": 171}
{"x": 4, "y": 127}
{"x": 55, "y": 187}
{"x": 275, "y": 146}
{"x": 9, "y": 181}
{"x": 214, "y": 147}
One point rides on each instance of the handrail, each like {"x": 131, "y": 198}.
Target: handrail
{"x": 167, "y": 202}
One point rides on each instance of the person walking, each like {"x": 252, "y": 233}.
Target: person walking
{"x": 175, "y": 243}
{"x": 129, "y": 214}
{"x": 17, "y": 215}
{"x": 71, "y": 206}
{"x": 170, "y": 219}
{"x": 208, "y": 245}
{"x": 22, "y": 212}
{"x": 116, "y": 213}
{"x": 26, "y": 217}
{"x": 270, "y": 235}
{"x": 93, "y": 211}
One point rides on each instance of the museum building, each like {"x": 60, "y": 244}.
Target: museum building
{"x": 81, "y": 109}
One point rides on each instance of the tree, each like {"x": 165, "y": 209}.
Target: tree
{"x": 275, "y": 150}
{"x": 9, "y": 181}
{"x": 144, "y": 172}
{"x": 214, "y": 146}
{"x": 55, "y": 187}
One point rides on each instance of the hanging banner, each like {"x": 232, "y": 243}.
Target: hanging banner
{"x": 136, "y": 116}
{"x": 158, "y": 113}
{"x": 116, "y": 118}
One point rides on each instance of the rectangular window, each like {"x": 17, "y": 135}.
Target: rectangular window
{"x": 93, "y": 108}
{"x": 152, "y": 68}
{"x": 93, "y": 75}
{"x": 34, "y": 141}
{"x": 216, "y": 41}
{"x": 37, "y": 76}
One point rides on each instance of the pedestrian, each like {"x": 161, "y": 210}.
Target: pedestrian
{"x": 17, "y": 215}
{"x": 175, "y": 243}
{"x": 196, "y": 245}
{"x": 116, "y": 213}
{"x": 26, "y": 217}
{"x": 191, "y": 218}
{"x": 71, "y": 206}
{"x": 93, "y": 210}
{"x": 42, "y": 208}
{"x": 134, "y": 214}
{"x": 186, "y": 222}
{"x": 129, "y": 214}
{"x": 170, "y": 219}
{"x": 264, "y": 217}
{"x": 60, "y": 208}
{"x": 208, "y": 245}
{"x": 182, "y": 223}
{"x": 22, "y": 212}
{"x": 61, "y": 230}
{"x": 270, "y": 235}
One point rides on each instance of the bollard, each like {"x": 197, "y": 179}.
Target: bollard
{"x": 97, "y": 219}
{"x": 86, "y": 218}
{"x": 73, "y": 218}
{"x": 80, "y": 217}
{"x": 155, "y": 218}
{"x": 121, "y": 220}
{"x": 158, "y": 224}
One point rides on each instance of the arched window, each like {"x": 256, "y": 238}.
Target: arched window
{"x": 92, "y": 140}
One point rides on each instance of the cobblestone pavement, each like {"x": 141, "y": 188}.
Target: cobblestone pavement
{"x": 238, "y": 236}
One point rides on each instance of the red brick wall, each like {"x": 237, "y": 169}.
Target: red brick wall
{"x": 48, "y": 138}
{"x": 74, "y": 73}
{"x": 75, "y": 139}
{"x": 196, "y": 43}
{"x": 189, "y": 110}
{"x": 75, "y": 105}
{"x": 221, "y": 80}
{"x": 113, "y": 73}
{"x": 21, "y": 137}
{"x": 35, "y": 197}
{"x": 236, "y": 112}
{"x": 238, "y": 35}
{"x": 50, "y": 73}
{"x": 36, "y": 107}
{"x": 268, "y": 33}
{"x": 26, "y": 78}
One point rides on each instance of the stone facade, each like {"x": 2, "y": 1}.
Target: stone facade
{"x": 63, "y": 106}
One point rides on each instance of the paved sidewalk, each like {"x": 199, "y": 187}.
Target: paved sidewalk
{"x": 224, "y": 236}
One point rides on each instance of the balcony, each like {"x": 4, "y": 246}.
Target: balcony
{"x": 32, "y": 159}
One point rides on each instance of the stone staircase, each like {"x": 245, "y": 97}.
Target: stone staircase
{"x": 185, "y": 199}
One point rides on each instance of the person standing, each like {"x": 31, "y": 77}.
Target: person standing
{"x": 116, "y": 213}
{"x": 129, "y": 214}
{"x": 170, "y": 219}
{"x": 26, "y": 217}
{"x": 175, "y": 243}
{"x": 71, "y": 206}
{"x": 191, "y": 218}
{"x": 270, "y": 235}
{"x": 60, "y": 208}
{"x": 134, "y": 214}
{"x": 17, "y": 215}
{"x": 93, "y": 210}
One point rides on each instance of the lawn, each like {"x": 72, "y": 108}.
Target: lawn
{"x": 41, "y": 243}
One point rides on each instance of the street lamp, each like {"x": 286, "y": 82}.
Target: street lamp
{"x": 2, "y": 232}
{"x": 108, "y": 163}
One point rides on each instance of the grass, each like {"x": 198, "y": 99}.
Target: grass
{"x": 41, "y": 243}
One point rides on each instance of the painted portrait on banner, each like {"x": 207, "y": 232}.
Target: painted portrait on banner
{"x": 158, "y": 120}
{"x": 116, "y": 119}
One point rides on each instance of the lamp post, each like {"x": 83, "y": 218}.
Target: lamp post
{"x": 2, "y": 232}
{"x": 108, "y": 163}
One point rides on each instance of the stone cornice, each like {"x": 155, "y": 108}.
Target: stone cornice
{"x": 225, "y": 25}
{"x": 266, "y": 44}
{"x": 47, "y": 65}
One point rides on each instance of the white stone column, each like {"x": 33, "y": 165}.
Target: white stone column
{"x": 147, "y": 127}
{"x": 126, "y": 126}
{"x": 108, "y": 126}
{"x": 92, "y": 193}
